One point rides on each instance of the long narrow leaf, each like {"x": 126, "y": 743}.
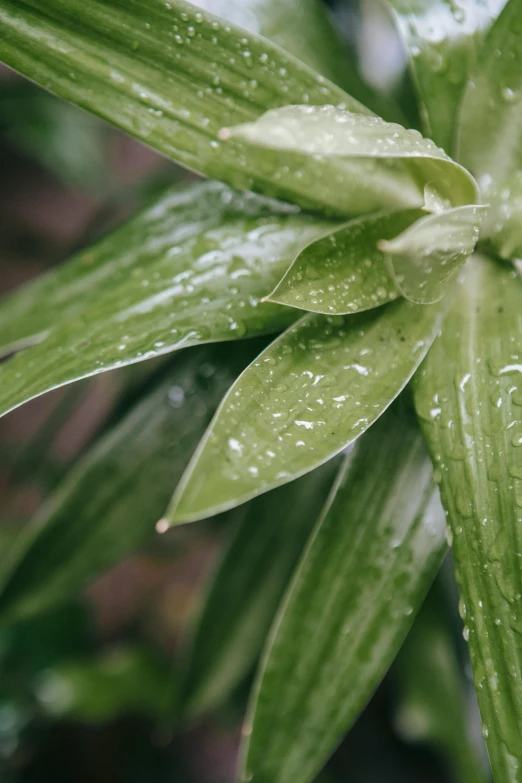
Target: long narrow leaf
{"x": 248, "y": 586}
{"x": 168, "y": 74}
{"x": 312, "y": 392}
{"x": 442, "y": 37}
{"x": 192, "y": 269}
{"x": 468, "y": 396}
{"x": 490, "y": 132}
{"x": 112, "y": 499}
{"x": 361, "y": 580}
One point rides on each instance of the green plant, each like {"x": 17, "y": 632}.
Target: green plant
{"x": 357, "y": 252}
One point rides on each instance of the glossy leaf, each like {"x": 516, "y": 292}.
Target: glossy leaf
{"x": 302, "y": 28}
{"x": 248, "y": 585}
{"x": 307, "y": 396}
{"x": 490, "y": 135}
{"x": 371, "y": 164}
{"x": 191, "y": 269}
{"x": 503, "y": 223}
{"x": 111, "y": 500}
{"x": 469, "y": 397}
{"x": 442, "y": 38}
{"x": 170, "y": 75}
{"x": 425, "y": 258}
{"x": 345, "y": 271}
{"x": 362, "y": 577}
{"x": 433, "y": 705}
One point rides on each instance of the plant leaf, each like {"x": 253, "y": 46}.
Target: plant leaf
{"x": 490, "y": 135}
{"x": 90, "y": 522}
{"x": 370, "y": 164}
{"x": 191, "y": 269}
{"x": 170, "y": 75}
{"x": 432, "y": 693}
{"x": 248, "y": 586}
{"x": 503, "y": 222}
{"x": 307, "y": 396}
{"x": 468, "y": 396}
{"x": 442, "y": 37}
{"x": 344, "y": 271}
{"x": 303, "y": 29}
{"x": 425, "y": 258}
{"x": 362, "y": 578}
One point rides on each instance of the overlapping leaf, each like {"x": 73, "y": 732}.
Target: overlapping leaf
{"x": 112, "y": 499}
{"x": 469, "y": 398}
{"x": 363, "y": 576}
{"x": 442, "y": 38}
{"x": 308, "y": 395}
{"x": 345, "y": 271}
{"x": 490, "y": 135}
{"x": 248, "y": 586}
{"x": 191, "y": 269}
{"x": 170, "y": 75}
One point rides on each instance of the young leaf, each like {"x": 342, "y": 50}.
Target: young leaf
{"x": 307, "y": 396}
{"x": 468, "y": 396}
{"x": 345, "y": 271}
{"x": 425, "y": 258}
{"x": 490, "y": 135}
{"x": 442, "y": 38}
{"x": 192, "y": 269}
{"x": 170, "y": 75}
{"x": 362, "y": 578}
{"x": 248, "y": 586}
{"x": 432, "y": 693}
{"x": 370, "y": 164}
{"x": 111, "y": 500}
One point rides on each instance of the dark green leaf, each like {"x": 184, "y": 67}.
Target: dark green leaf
{"x": 248, "y": 586}
{"x": 469, "y": 397}
{"x": 432, "y": 693}
{"x": 363, "y": 576}
{"x": 312, "y": 392}
{"x": 490, "y": 132}
{"x": 170, "y": 75}
{"x": 112, "y": 499}
{"x": 345, "y": 271}
{"x": 442, "y": 38}
{"x": 191, "y": 269}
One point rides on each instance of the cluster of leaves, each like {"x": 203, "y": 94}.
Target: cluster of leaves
{"x": 350, "y": 235}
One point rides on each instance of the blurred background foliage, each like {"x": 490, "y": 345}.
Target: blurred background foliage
{"x": 90, "y": 690}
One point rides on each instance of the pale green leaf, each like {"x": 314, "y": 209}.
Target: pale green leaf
{"x": 490, "y": 132}
{"x": 369, "y": 163}
{"x": 503, "y": 223}
{"x": 360, "y": 582}
{"x": 442, "y": 38}
{"x": 469, "y": 397}
{"x": 191, "y": 269}
{"x": 248, "y": 585}
{"x": 170, "y": 75}
{"x": 345, "y": 271}
{"x": 425, "y": 258}
{"x": 432, "y": 693}
{"x": 307, "y": 396}
{"x": 111, "y": 500}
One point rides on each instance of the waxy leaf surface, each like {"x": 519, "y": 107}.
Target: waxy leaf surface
{"x": 361, "y": 580}
{"x": 469, "y": 399}
{"x": 111, "y": 500}
{"x": 191, "y": 269}
{"x": 490, "y": 132}
{"x": 248, "y": 585}
{"x": 170, "y": 75}
{"x": 442, "y": 38}
{"x": 345, "y": 271}
{"x": 311, "y": 393}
